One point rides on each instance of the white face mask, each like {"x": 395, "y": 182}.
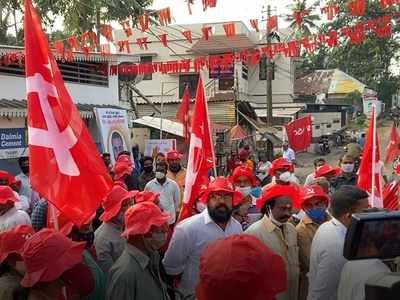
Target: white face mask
{"x": 271, "y": 216}
{"x": 348, "y": 168}
{"x": 160, "y": 175}
{"x": 200, "y": 207}
{"x": 245, "y": 191}
{"x": 285, "y": 177}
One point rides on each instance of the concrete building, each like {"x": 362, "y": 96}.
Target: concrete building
{"x": 85, "y": 80}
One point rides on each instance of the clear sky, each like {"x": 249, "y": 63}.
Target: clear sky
{"x": 226, "y": 10}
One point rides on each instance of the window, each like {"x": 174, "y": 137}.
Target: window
{"x": 147, "y": 60}
{"x": 336, "y": 121}
{"x": 92, "y": 73}
{"x": 328, "y": 125}
{"x": 226, "y": 84}
{"x": 262, "y": 75}
{"x": 317, "y": 127}
{"x": 189, "y": 80}
{"x": 245, "y": 71}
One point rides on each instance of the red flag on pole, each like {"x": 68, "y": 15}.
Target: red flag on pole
{"x": 183, "y": 114}
{"x": 369, "y": 174}
{"x": 201, "y": 153}
{"x": 390, "y": 196}
{"x": 65, "y": 166}
{"x": 393, "y": 148}
{"x": 299, "y": 133}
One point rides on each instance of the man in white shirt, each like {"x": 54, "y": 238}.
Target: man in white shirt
{"x": 326, "y": 259}
{"x": 9, "y": 215}
{"x": 192, "y": 235}
{"x": 288, "y": 153}
{"x": 26, "y": 189}
{"x": 319, "y": 162}
{"x": 168, "y": 189}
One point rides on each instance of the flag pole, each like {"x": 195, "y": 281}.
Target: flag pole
{"x": 373, "y": 155}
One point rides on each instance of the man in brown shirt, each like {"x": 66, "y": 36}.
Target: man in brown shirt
{"x": 314, "y": 202}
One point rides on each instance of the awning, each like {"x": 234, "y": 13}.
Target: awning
{"x": 237, "y": 133}
{"x": 172, "y": 127}
{"x": 18, "y": 109}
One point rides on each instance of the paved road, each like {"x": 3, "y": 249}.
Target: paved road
{"x": 306, "y": 159}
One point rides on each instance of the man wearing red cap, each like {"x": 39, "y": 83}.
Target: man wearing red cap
{"x": 240, "y": 267}
{"x": 244, "y": 182}
{"x": 9, "y": 215}
{"x": 11, "y": 244}
{"x": 283, "y": 172}
{"x": 136, "y": 274}
{"x": 330, "y": 173}
{"x": 311, "y": 177}
{"x": 108, "y": 242}
{"x": 175, "y": 170}
{"x": 123, "y": 173}
{"x": 277, "y": 233}
{"x": 54, "y": 268}
{"x": 314, "y": 202}
{"x": 192, "y": 235}
{"x": 244, "y": 155}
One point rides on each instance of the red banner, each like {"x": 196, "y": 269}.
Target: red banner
{"x": 299, "y": 133}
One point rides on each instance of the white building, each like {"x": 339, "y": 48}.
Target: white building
{"x": 87, "y": 84}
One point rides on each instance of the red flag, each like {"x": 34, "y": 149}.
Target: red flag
{"x": 188, "y": 35}
{"x": 163, "y": 39}
{"x": 206, "y": 32}
{"x": 254, "y": 24}
{"x": 65, "y": 166}
{"x": 393, "y": 148}
{"x": 183, "y": 114}
{"x": 370, "y": 164}
{"x": 390, "y": 196}
{"x": 299, "y": 133}
{"x": 272, "y": 23}
{"x": 230, "y": 29}
{"x": 357, "y": 7}
{"x": 201, "y": 153}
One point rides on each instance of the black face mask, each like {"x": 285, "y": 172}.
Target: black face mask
{"x": 175, "y": 167}
{"x": 87, "y": 237}
{"x": 25, "y": 169}
{"x": 148, "y": 169}
{"x": 220, "y": 214}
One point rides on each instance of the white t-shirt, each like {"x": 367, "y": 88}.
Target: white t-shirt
{"x": 12, "y": 218}
{"x": 354, "y": 276}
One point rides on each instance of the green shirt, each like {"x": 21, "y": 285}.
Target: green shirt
{"x": 136, "y": 276}
{"x": 98, "y": 276}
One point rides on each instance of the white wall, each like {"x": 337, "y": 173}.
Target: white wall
{"x": 14, "y": 87}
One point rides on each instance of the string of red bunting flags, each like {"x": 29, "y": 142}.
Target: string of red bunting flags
{"x": 88, "y": 41}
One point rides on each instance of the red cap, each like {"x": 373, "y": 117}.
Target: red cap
{"x": 221, "y": 184}
{"x": 173, "y": 154}
{"x": 243, "y": 171}
{"x": 13, "y": 240}
{"x": 325, "y": 170}
{"x": 123, "y": 166}
{"x": 113, "y": 202}
{"x": 5, "y": 175}
{"x": 240, "y": 267}
{"x": 312, "y": 191}
{"x": 140, "y": 217}
{"x": 274, "y": 190}
{"x": 13, "y": 181}
{"x": 47, "y": 255}
{"x": 243, "y": 153}
{"x": 7, "y": 194}
{"x": 147, "y": 196}
{"x": 280, "y": 163}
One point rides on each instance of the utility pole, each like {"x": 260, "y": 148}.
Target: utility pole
{"x": 269, "y": 74}
{"x": 270, "y": 146}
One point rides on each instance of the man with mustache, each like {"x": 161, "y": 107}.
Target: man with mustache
{"x": 191, "y": 236}
{"x": 277, "y": 233}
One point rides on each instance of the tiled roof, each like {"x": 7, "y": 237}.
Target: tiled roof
{"x": 315, "y": 83}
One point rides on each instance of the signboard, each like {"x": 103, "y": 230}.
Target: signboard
{"x": 219, "y": 71}
{"x": 152, "y": 147}
{"x": 12, "y": 142}
{"x": 368, "y": 104}
{"x": 369, "y": 95}
{"x": 114, "y": 131}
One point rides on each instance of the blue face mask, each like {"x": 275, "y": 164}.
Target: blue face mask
{"x": 317, "y": 214}
{"x": 256, "y": 192}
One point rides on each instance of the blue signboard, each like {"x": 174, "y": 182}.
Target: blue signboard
{"x": 12, "y": 142}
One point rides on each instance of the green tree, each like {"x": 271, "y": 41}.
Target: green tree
{"x": 308, "y": 18}
{"x": 370, "y": 62}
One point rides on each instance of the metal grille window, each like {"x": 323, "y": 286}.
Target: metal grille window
{"x": 147, "y": 60}
{"x": 245, "y": 71}
{"x": 191, "y": 81}
{"x": 91, "y": 73}
{"x": 262, "y": 75}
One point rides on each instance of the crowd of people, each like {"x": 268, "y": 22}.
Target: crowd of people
{"x": 254, "y": 234}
